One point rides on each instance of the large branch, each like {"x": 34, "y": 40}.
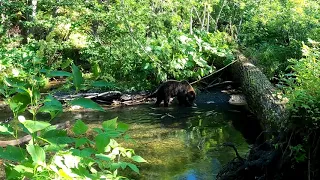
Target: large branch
{"x": 261, "y": 95}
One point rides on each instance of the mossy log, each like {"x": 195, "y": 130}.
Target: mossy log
{"x": 269, "y": 107}
{"x": 261, "y": 96}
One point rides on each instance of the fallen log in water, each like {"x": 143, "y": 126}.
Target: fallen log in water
{"x": 262, "y": 98}
{"x": 264, "y": 160}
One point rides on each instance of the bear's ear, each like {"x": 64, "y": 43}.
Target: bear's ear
{"x": 192, "y": 93}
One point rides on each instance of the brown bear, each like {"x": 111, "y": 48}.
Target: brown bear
{"x": 172, "y": 88}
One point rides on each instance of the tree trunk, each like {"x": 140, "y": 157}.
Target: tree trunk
{"x": 261, "y": 96}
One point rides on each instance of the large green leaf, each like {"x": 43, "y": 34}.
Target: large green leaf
{"x": 51, "y": 106}
{"x": 138, "y": 159}
{"x": 110, "y": 124}
{"x": 19, "y": 102}
{"x": 34, "y": 126}
{"x": 57, "y": 137}
{"x": 12, "y": 153}
{"x": 38, "y": 155}
{"x": 85, "y": 153}
{"x": 79, "y": 127}
{"x": 80, "y": 142}
{"x": 86, "y": 103}
{"x": 77, "y": 77}
{"x": 123, "y": 127}
{"x": 102, "y": 140}
{"x": 133, "y": 167}
{"x": 103, "y": 157}
{"x": 19, "y": 172}
{"x": 6, "y": 129}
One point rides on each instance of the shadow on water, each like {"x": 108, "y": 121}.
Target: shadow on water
{"x": 181, "y": 143}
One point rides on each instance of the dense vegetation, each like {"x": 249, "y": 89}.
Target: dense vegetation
{"x": 133, "y": 45}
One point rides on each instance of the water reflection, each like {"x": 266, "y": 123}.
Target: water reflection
{"x": 180, "y": 143}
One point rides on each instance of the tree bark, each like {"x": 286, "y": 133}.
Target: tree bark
{"x": 261, "y": 96}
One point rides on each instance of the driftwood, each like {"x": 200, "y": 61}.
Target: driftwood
{"x": 27, "y": 138}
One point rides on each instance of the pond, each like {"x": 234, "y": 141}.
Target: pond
{"x": 181, "y": 143}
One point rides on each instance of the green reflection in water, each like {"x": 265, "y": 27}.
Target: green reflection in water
{"x": 178, "y": 143}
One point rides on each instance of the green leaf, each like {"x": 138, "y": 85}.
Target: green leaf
{"x": 102, "y": 140}
{"x": 123, "y": 127}
{"x": 115, "y": 166}
{"x": 86, "y": 103}
{"x": 79, "y": 127}
{"x": 57, "y": 137}
{"x": 12, "y": 153}
{"x": 51, "y": 106}
{"x": 138, "y": 159}
{"x": 6, "y": 129}
{"x": 14, "y": 82}
{"x": 38, "y": 155}
{"x": 80, "y": 142}
{"x": 77, "y": 77}
{"x": 34, "y": 126}
{"x": 19, "y": 102}
{"x": 103, "y": 157}
{"x": 110, "y": 124}
{"x": 85, "y": 153}
{"x": 133, "y": 167}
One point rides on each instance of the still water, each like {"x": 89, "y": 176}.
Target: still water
{"x": 181, "y": 143}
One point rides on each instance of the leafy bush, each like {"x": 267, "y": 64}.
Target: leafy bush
{"x": 303, "y": 91}
{"x": 54, "y": 153}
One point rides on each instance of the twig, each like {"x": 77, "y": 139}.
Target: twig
{"x": 234, "y": 148}
{"x": 215, "y": 72}
{"x": 220, "y": 83}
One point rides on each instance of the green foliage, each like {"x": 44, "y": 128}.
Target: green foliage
{"x": 53, "y": 153}
{"x": 273, "y": 31}
{"x": 69, "y": 159}
{"x": 303, "y": 91}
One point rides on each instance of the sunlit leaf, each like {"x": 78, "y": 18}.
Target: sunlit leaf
{"x": 6, "y": 129}
{"x": 102, "y": 140}
{"x": 34, "y": 126}
{"x": 37, "y": 153}
{"x": 86, "y": 103}
{"x": 110, "y": 124}
{"x": 138, "y": 159}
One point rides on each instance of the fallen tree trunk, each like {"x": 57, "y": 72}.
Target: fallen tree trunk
{"x": 261, "y": 96}
{"x": 264, "y": 161}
